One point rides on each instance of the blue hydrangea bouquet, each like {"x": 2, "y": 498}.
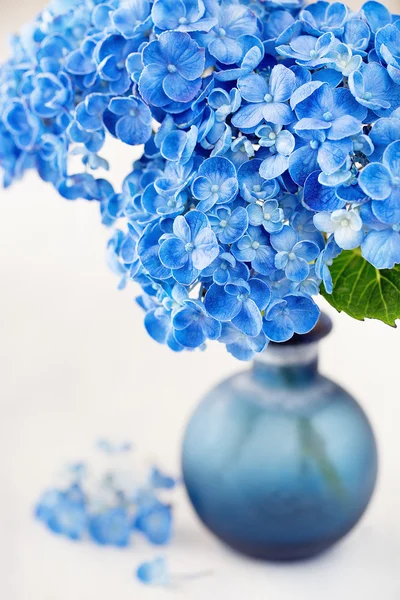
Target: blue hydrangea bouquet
{"x": 271, "y": 155}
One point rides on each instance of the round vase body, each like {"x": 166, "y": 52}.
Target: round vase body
{"x": 280, "y": 462}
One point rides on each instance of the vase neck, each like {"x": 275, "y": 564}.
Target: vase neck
{"x": 288, "y": 364}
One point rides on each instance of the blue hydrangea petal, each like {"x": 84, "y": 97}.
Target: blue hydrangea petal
{"x": 248, "y": 116}
{"x": 273, "y": 166}
{"x": 206, "y": 248}
{"x": 263, "y": 262}
{"x": 284, "y": 240}
{"x": 249, "y": 319}
{"x": 150, "y": 85}
{"x": 253, "y": 88}
{"x": 297, "y": 269}
{"x": 179, "y": 89}
{"x": 173, "y": 254}
{"x": 236, "y": 226}
{"x": 304, "y": 313}
{"x": 375, "y": 181}
{"x": 282, "y": 83}
{"x": 277, "y": 325}
{"x": 382, "y": 248}
{"x": 318, "y": 197}
{"x": 260, "y": 293}
{"x": 220, "y": 305}
{"x": 391, "y": 158}
{"x": 388, "y": 211}
{"x": 332, "y": 155}
{"x": 302, "y": 163}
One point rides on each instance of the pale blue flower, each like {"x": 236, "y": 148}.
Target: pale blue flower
{"x": 269, "y": 215}
{"x": 309, "y": 51}
{"x": 132, "y": 18}
{"x": 293, "y": 256}
{"x": 267, "y": 98}
{"x": 321, "y": 17}
{"x": 239, "y": 344}
{"x": 373, "y": 88}
{"x": 280, "y": 144}
{"x": 154, "y": 521}
{"x": 192, "y": 247}
{"x": 228, "y": 225}
{"x": 381, "y": 182}
{"x": 193, "y": 326}
{"x": 346, "y": 227}
{"x": 112, "y": 527}
{"x": 240, "y": 303}
{"x": 216, "y": 183}
{"x": 181, "y": 16}
{"x": 173, "y": 66}
{"x": 154, "y": 572}
{"x": 223, "y": 40}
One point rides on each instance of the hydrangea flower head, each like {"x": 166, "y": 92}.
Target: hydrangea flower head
{"x": 270, "y": 135}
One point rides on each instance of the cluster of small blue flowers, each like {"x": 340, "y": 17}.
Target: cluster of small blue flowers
{"x": 271, "y": 137}
{"x": 108, "y": 505}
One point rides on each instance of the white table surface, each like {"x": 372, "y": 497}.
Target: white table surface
{"x": 75, "y": 364}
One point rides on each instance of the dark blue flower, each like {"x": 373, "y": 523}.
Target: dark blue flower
{"x": 226, "y": 268}
{"x": 253, "y": 187}
{"x": 239, "y": 302}
{"x": 291, "y": 314}
{"x": 373, "y": 88}
{"x": 130, "y": 121}
{"x": 173, "y": 67}
{"x": 335, "y": 112}
{"x": 193, "y": 326}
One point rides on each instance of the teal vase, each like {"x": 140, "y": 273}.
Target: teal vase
{"x": 280, "y": 462}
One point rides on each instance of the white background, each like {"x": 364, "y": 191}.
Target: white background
{"x": 75, "y": 364}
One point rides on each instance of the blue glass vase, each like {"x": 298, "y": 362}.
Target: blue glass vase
{"x": 278, "y": 461}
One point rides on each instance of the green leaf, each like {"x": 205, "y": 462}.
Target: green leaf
{"x": 362, "y": 291}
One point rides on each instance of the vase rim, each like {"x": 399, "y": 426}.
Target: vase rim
{"x": 322, "y": 328}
